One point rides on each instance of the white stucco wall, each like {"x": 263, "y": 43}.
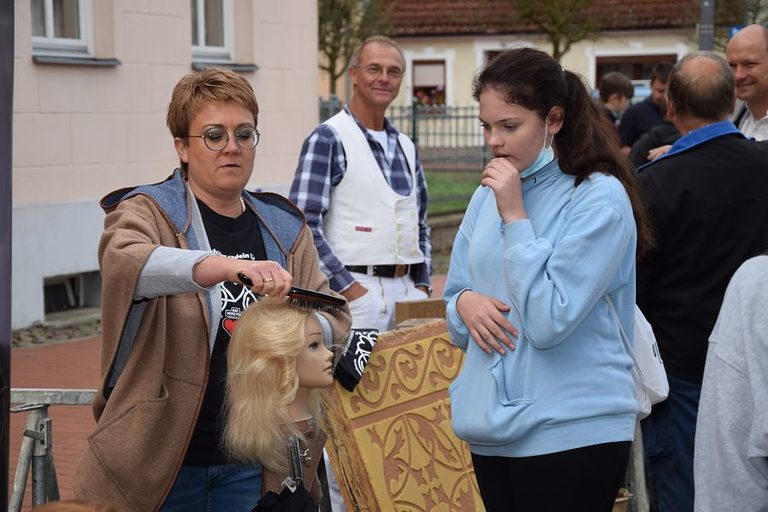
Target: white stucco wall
{"x": 82, "y": 131}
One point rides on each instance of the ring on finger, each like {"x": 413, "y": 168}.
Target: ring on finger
{"x": 268, "y": 279}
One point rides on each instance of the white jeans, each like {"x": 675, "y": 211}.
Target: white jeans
{"x": 376, "y": 309}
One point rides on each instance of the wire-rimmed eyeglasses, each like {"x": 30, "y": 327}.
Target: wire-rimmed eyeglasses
{"x": 216, "y": 138}
{"x": 375, "y": 71}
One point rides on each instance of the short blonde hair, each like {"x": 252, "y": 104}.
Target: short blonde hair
{"x": 262, "y": 382}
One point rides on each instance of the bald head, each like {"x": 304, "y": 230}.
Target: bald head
{"x": 748, "y": 57}
{"x": 701, "y": 87}
{"x": 751, "y": 35}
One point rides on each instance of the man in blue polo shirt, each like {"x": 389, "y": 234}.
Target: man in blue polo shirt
{"x": 707, "y": 200}
{"x": 641, "y": 117}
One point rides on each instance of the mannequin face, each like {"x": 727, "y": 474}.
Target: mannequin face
{"x": 314, "y": 366}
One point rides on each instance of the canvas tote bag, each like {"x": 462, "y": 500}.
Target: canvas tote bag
{"x": 651, "y": 385}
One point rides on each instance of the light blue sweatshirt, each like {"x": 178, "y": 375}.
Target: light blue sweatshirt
{"x": 568, "y": 382}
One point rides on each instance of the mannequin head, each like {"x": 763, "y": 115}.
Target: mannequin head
{"x": 277, "y": 367}
{"x": 314, "y": 364}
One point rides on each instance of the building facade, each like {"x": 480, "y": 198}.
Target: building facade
{"x": 92, "y": 82}
{"x": 447, "y": 42}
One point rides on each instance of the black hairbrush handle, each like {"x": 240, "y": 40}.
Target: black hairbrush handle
{"x": 247, "y": 281}
{"x": 306, "y": 299}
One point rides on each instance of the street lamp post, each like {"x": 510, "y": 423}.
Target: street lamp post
{"x": 6, "y": 114}
{"x": 707, "y": 25}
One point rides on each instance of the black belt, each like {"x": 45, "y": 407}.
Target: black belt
{"x": 380, "y": 270}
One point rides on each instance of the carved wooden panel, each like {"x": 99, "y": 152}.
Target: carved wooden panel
{"x": 391, "y": 441}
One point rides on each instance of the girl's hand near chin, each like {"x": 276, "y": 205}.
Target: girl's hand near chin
{"x": 501, "y": 176}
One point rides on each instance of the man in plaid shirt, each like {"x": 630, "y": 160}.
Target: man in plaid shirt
{"x": 362, "y": 188}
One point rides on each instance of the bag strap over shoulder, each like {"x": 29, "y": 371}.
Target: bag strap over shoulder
{"x": 625, "y": 339}
{"x": 740, "y": 116}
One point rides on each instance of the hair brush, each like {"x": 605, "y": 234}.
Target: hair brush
{"x": 308, "y": 300}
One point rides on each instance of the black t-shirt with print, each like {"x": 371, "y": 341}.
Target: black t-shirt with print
{"x": 236, "y": 238}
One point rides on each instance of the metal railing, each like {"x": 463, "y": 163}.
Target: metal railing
{"x": 329, "y": 107}
{"x": 439, "y": 126}
{"x": 36, "y": 451}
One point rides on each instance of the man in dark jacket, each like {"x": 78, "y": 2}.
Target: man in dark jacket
{"x": 642, "y": 116}
{"x": 707, "y": 200}
{"x": 653, "y": 143}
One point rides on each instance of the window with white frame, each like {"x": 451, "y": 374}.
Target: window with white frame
{"x": 212, "y": 30}
{"x": 429, "y": 82}
{"x": 61, "y": 27}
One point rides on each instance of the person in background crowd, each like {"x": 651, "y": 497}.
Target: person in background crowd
{"x": 707, "y": 200}
{"x": 642, "y": 116}
{"x": 362, "y": 188}
{"x": 654, "y": 143}
{"x": 747, "y": 54}
{"x": 542, "y": 276}
{"x": 616, "y": 91}
{"x": 730, "y": 464}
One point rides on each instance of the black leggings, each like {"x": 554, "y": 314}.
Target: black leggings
{"x": 585, "y": 479}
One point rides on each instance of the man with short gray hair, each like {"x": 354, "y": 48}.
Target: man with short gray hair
{"x": 707, "y": 200}
{"x": 361, "y": 186}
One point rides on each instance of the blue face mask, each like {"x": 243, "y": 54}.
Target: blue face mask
{"x": 546, "y": 155}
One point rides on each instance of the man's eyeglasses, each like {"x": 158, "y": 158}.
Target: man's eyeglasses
{"x": 217, "y": 138}
{"x": 376, "y": 71}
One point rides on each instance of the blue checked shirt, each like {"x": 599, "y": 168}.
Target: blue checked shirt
{"x": 322, "y": 165}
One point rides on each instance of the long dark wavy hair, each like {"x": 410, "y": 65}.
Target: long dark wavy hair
{"x": 586, "y": 142}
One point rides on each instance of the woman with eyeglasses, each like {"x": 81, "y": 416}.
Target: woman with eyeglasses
{"x": 170, "y": 256}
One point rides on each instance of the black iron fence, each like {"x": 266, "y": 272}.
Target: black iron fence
{"x": 440, "y": 126}
{"x": 447, "y": 137}
{"x": 329, "y": 107}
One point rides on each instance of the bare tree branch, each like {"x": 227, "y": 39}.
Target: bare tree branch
{"x": 342, "y": 25}
{"x": 736, "y": 13}
{"x": 563, "y": 22}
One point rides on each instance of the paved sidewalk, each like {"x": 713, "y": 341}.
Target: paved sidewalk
{"x": 68, "y": 365}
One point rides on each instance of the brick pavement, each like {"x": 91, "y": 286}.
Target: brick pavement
{"x": 68, "y": 365}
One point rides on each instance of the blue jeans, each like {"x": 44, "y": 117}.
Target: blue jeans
{"x": 224, "y": 488}
{"x": 668, "y": 435}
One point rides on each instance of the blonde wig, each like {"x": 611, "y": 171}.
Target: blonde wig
{"x": 262, "y": 382}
